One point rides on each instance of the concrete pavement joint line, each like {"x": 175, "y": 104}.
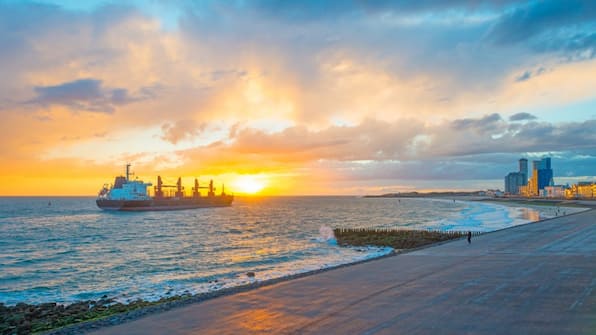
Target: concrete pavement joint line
{"x": 568, "y": 237}
{"x": 487, "y": 294}
{"x": 374, "y": 294}
{"x": 440, "y": 298}
{"x": 586, "y": 293}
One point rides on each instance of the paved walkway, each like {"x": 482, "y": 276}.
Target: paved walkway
{"x": 534, "y": 279}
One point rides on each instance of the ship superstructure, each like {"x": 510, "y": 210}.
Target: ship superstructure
{"x": 131, "y": 195}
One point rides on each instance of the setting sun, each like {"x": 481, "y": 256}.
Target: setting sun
{"x": 249, "y": 184}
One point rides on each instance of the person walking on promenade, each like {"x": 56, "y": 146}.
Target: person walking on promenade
{"x": 469, "y": 237}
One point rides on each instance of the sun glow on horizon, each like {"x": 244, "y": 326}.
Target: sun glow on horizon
{"x": 249, "y": 184}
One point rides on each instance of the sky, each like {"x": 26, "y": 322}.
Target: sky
{"x": 338, "y": 97}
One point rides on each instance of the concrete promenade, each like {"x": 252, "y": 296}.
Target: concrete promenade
{"x": 534, "y": 279}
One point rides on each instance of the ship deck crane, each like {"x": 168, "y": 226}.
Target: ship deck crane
{"x": 180, "y": 189}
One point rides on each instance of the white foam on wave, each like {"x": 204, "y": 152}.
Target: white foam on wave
{"x": 344, "y": 255}
{"x": 327, "y": 235}
{"x": 486, "y": 217}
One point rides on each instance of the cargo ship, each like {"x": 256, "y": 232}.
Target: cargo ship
{"x": 131, "y": 195}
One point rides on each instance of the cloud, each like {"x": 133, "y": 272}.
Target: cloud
{"x": 370, "y": 140}
{"x": 524, "y": 76}
{"x": 383, "y": 141}
{"x": 428, "y": 52}
{"x": 529, "y": 74}
{"x": 488, "y": 122}
{"x": 522, "y": 117}
{"x": 529, "y": 137}
{"x": 536, "y": 17}
{"x": 86, "y": 95}
{"x": 313, "y": 10}
{"x": 381, "y": 151}
{"x": 222, "y": 74}
{"x": 565, "y": 27}
{"x": 181, "y": 130}
{"x": 577, "y": 45}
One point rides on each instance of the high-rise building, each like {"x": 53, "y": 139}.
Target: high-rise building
{"x": 520, "y": 183}
{"x": 542, "y": 175}
{"x": 523, "y": 169}
{"x": 536, "y": 165}
{"x": 546, "y": 163}
{"x": 515, "y": 180}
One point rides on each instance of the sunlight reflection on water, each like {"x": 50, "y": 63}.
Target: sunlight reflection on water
{"x": 530, "y": 214}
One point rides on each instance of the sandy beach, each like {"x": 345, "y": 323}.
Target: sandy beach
{"x": 534, "y": 279}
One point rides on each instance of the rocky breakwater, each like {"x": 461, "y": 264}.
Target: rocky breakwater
{"x": 23, "y": 318}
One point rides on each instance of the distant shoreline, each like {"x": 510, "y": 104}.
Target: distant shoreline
{"x": 426, "y": 194}
{"x": 474, "y": 196}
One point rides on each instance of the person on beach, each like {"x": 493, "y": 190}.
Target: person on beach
{"x": 469, "y": 237}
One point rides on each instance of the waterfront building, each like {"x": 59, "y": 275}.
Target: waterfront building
{"x": 545, "y": 174}
{"x": 523, "y": 169}
{"x": 525, "y": 190}
{"x": 557, "y": 191}
{"x": 542, "y": 175}
{"x": 531, "y": 190}
{"x": 515, "y": 180}
{"x": 581, "y": 190}
{"x": 533, "y": 183}
{"x": 569, "y": 194}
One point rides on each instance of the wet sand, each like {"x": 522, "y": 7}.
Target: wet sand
{"x": 538, "y": 278}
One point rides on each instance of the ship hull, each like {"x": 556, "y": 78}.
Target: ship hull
{"x": 165, "y": 204}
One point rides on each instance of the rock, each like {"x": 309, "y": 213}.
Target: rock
{"x": 250, "y": 274}
{"x": 21, "y": 306}
{"x": 47, "y": 305}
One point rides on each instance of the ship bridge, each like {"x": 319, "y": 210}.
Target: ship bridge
{"x": 126, "y": 189}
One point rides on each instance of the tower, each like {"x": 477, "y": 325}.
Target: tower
{"x": 545, "y": 173}
{"x": 535, "y": 168}
{"x": 523, "y": 169}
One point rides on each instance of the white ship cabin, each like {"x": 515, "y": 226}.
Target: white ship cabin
{"x": 126, "y": 189}
{"x": 129, "y": 190}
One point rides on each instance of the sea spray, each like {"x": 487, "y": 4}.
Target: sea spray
{"x": 326, "y": 235}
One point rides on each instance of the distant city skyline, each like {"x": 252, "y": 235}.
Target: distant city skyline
{"x": 535, "y": 184}
{"x": 294, "y": 97}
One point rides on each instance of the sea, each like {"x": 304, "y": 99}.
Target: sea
{"x": 65, "y": 249}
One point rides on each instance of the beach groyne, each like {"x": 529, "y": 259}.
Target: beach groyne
{"x": 395, "y": 238}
